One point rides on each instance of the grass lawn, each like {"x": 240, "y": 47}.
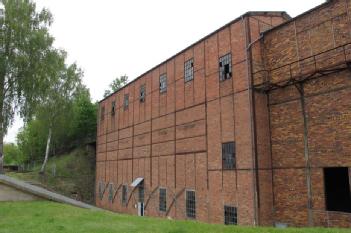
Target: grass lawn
{"x": 50, "y": 217}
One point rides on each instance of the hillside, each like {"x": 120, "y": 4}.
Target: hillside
{"x": 71, "y": 174}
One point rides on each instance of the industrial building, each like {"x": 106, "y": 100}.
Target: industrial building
{"x": 250, "y": 125}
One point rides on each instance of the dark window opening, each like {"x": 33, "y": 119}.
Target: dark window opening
{"x": 337, "y": 189}
{"x": 228, "y": 155}
{"x": 230, "y": 215}
{"x": 126, "y": 101}
{"x": 189, "y": 70}
{"x": 190, "y": 204}
{"x": 110, "y": 192}
{"x": 163, "y": 83}
{"x": 225, "y": 67}
{"x": 113, "y": 109}
{"x": 102, "y": 113}
{"x": 141, "y": 192}
{"x": 163, "y": 200}
{"x": 142, "y": 93}
{"x": 124, "y": 194}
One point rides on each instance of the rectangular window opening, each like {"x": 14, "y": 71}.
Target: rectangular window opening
{"x": 113, "y": 108}
{"x": 142, "y": 93}
{"x": 225, "y": 67}
{"x": 337, "y": 189}
{"x": 163, "y": 83}
{"x": 124, "y": 194}
{"x": 163, "y": 200}
{"x": 228, "y": 156}
{"x": 102, "y": 113}
{"x": 190, "y": 204}
{"x": 230, "y": 215}
{"x": 126, "y": 101}
{"x": 189, "y": 70}
{"x": 110, "y": 192}
{"x": 141, "y": 192}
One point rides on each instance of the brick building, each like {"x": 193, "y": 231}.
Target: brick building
{"x": 250, "y": 125}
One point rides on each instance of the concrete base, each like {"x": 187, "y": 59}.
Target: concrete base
{"x": 8, "y": 193}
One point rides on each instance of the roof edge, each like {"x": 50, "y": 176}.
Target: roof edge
{"x": 247, "y": 14}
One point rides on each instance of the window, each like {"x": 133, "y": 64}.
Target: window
{"x": 110, "y": 192}
{"x": 228, "y": 155}
{"x": 337, "y": 189}
{"x": 190, "y": 204}
{"x": 124, "y": 194}
{"x": 102, "y": 113}
{"x": 163, "y": 83}
{"x": 163, "y": 200}
{"x": 189, "y": 70}
{"x": 142, "y": 93}
{"x": 141, "y": 192}
{"x": 113, "y": 109}
{"x": 225, "y": 67}
{"x": 126, "y": 101}
{"x": 101, "y": 189}
{"x": 230, "y": 215}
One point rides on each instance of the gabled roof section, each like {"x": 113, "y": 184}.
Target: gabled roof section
{"x": 247, "y": 14}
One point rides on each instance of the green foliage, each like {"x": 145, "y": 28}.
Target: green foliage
{"x": 72, "y": 127}
{"x": 45, "y": 216}
{"x": 13, "y": 155}
{"x": 116, "y": 84}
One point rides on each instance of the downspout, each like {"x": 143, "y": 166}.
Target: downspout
{"x": 300, "y": 88}
{"x": 252, "y": 118}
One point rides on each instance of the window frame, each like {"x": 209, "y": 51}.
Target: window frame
{"x": 110, "y": 192}
{"x": 141, "y": 192}
{"x": 226, "y": 155}
{"x": 101, "y": 189}
{"x": 126, "y": 101}
{"x": 189, "y": 70}
{"x": 163, "y": 80}
{"x": 124, "y": 197}
{"x": 190, "y": 208}
{"x": 113, "y": 108}
{"x": 162, "y": 206}
{"x": 102, "y": 113}
{"x": 230, "y": 212}
{"x": 142, "y": 93}
{"x": 227, "y": 58}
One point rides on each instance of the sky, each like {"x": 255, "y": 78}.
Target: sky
{"x": 110, "y": 38}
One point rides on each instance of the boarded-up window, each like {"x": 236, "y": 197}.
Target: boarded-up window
{"x": 225, "y": 67}
{"x": 126, "y": 101}
{"x": 142, "y": 93}
{"x": 163, "y": 83}
{"x": 124, "y": 194}
{"x": 102, "y": 113}
{"x": 113, "y": 108}
{"x": 110, "y": 193}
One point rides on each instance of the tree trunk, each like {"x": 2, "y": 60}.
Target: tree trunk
{"x": 2, "y": 171}
{"x": 42, "y": 170}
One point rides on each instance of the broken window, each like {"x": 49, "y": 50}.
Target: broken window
{"x": 163, "y": 83}
{"x": 113, "y": 109}
{"x": 190, "y": 204}
{"x": 189, "y": 70}
{"x": 142, "y": 93}
{"x": 126, "y": 101}
{"x": 124, "y": 194}
{"x": 163, "y": 200}
{"x": 337, "y": 189}
{"x": 228, "y": 155}
{"x": 230, "y": 215}
{"x": 225, "y": 67}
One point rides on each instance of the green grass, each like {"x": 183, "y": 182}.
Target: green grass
{"x": 49, "y": 217}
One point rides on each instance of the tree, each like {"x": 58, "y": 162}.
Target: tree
{"x": 52, "y": 111}
{"x": 12, "y": 154}
{"x": 26, "y": 55}
{"x": 116, "y": 84}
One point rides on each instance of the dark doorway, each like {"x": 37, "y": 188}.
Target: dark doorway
{"x": 337, "y": 189}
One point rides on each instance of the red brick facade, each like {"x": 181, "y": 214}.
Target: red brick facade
{"x": 286, "y": 107}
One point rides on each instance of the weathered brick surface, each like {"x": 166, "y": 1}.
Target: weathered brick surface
{"x": 174, "y": 139}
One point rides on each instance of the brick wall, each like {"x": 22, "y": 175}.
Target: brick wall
{"x": 302, "y": 49}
